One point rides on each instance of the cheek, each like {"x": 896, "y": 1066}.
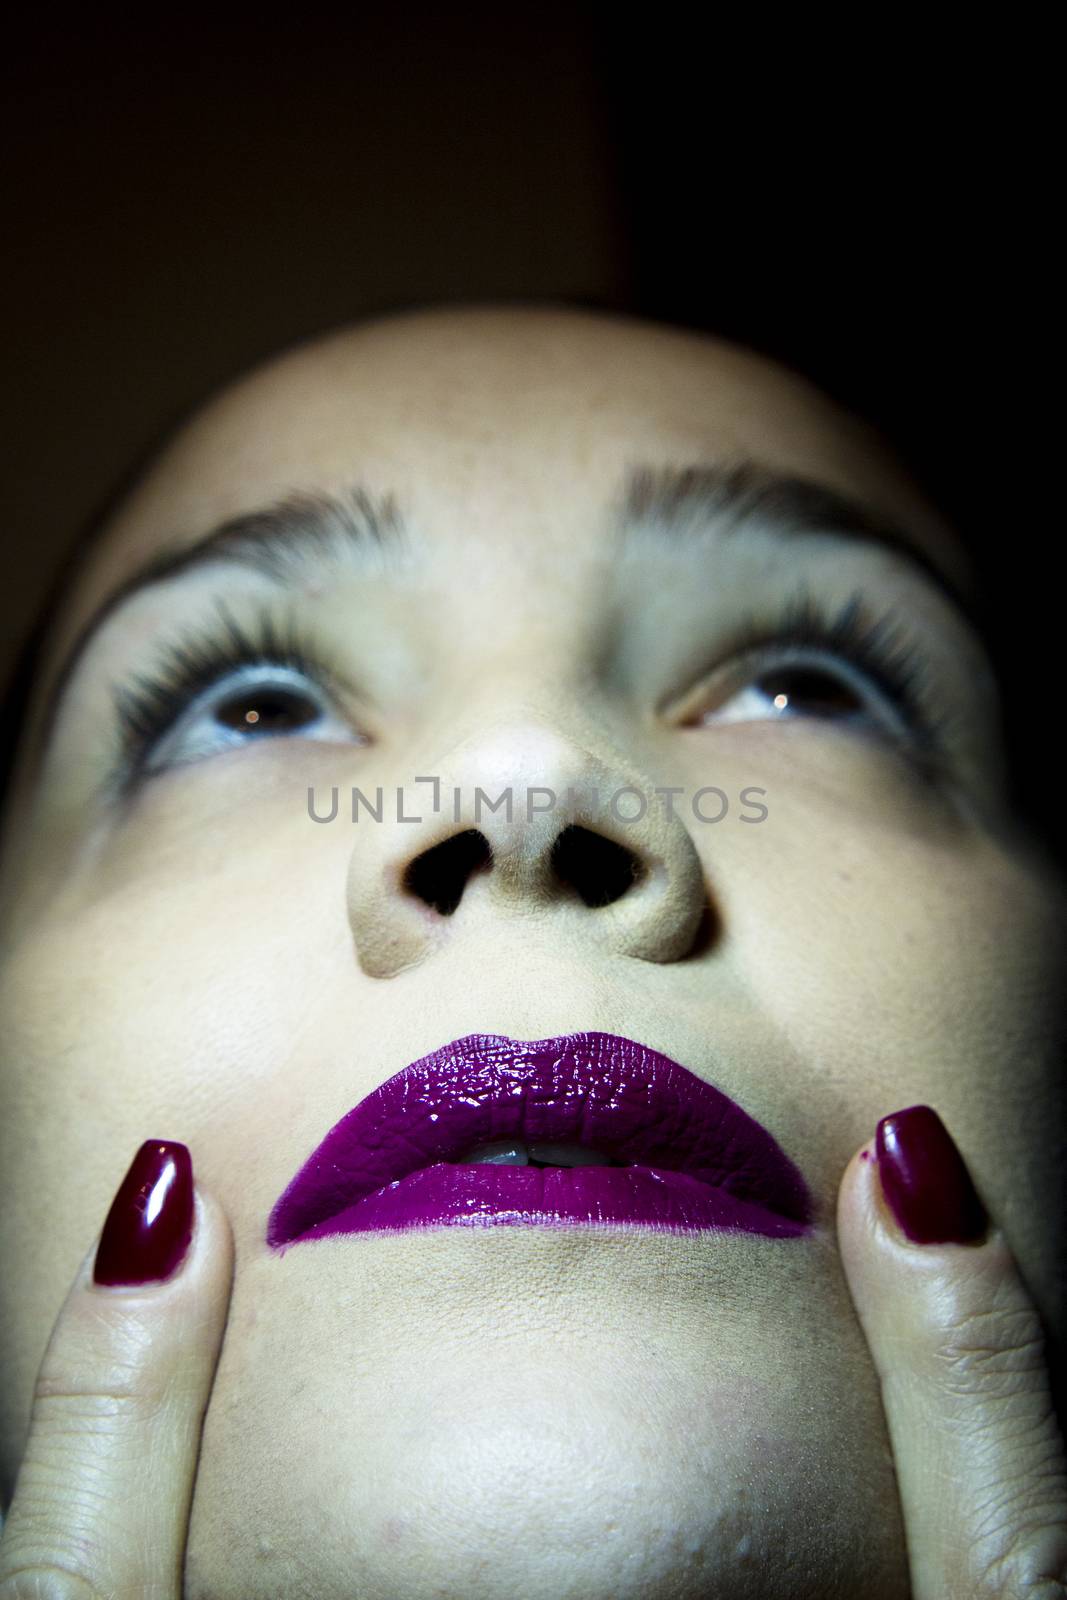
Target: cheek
{"x": 933, "y": 962}
{"x": 160, "y": 990}
{"x": 153, "y": 1011}
{"x": 902, "y": 969}
{"x": 170, "y": 1014}
{"x": 870, "y": 915}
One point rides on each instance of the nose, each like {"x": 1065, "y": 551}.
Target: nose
{"x": 597, "y": 868}
{"x": 526, "y": 821}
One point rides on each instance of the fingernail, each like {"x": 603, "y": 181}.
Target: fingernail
{"x": 150, "y": 1224}
{"x": 925, "y": 1182}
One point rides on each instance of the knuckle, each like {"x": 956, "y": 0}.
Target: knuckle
{"x": 997, "y": 1351}
{"x": 72, "y": 1416}
{"x": 1031, "y": 1559}
{"x": 46, "y": 1582}
{"x": 1010, "y": 1581}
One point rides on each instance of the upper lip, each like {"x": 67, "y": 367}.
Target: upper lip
{"x": 594, "y": 1089}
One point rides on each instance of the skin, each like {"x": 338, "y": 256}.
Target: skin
{"x": 521, "y": 1409}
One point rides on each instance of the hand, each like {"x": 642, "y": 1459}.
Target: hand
{"x": 102, "y": 1497}
{"x": 960, "y": 1351}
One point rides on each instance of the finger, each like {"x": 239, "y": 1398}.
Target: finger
{"x": 960, "y": 1350}
{"x": 101, "y": 1501}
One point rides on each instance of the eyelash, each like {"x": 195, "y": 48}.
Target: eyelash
{"x": 881, "y": 648}
{"x": 192, "y": 663}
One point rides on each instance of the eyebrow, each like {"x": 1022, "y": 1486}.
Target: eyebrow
{"x": 675, "y": 503}
{"x": 275, "y": 541}
{"x": 721, "y": 500}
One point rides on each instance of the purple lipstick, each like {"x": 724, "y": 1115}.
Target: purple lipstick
{"x": 587, "y": 1129}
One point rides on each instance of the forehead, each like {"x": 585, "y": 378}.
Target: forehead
{"x": 495, "y": 422}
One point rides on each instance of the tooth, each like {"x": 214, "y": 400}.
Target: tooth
{"x": 514, "y": 1153}
{"x": 567, "y": 1155}
{"x": 504, "y": 1153}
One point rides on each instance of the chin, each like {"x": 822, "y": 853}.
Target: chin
{"x": 539, "y": 1504}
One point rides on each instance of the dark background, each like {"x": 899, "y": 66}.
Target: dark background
{"x": 872, "y": 203}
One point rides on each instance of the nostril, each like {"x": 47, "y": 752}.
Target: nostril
{"x": 597, "y": 868}
{"x": 440, "y": 875}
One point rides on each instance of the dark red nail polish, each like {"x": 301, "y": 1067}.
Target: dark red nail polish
{"x": 925, "y": 1182}
{"x": 150, "y": 1224}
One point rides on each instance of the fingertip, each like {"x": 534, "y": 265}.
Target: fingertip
{"x": 858, "y": 1182}
{"x": 146, "y": 1237}
{"x": 162, "y": 1225}
{"x": 212, "y": 1230}
{"x": 924, "y": 1181}
{"x": 911, "y": 1183}
{"x": 859, "y": 1226}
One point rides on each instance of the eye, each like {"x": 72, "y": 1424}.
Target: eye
{"x": 826, "y": 689}
{"x": 855, "y": 668}
{"x": 225, "y": 683}
{"x": 796, "y": 689}
{"x": 245, "y": 706}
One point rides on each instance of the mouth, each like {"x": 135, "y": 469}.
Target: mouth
{"x": 585, "y": 1129}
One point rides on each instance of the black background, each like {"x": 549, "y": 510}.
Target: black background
{"x": 868, "y": 200}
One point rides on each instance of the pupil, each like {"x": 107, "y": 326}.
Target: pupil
{"x": 792, "y": 687}
{"x": 266, "y": 711}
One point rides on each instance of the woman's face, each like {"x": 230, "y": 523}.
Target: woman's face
{"x": 521, "y": 1410}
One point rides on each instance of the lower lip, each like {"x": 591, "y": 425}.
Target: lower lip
{"x": 455, "y": 1195}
